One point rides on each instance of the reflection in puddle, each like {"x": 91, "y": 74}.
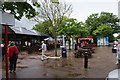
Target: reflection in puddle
{"x": 63, "y": 63}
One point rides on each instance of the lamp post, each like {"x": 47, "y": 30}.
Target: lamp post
{"x": 6, "y": 46}
{"x": 55, "y": 4}
{"x": 115, "y": 35}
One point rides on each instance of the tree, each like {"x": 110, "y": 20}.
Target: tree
{"x": 20, "y": 9}
{"x": 103, "y": 31}
{"x": 109, "y": 19}
{"x": 69, "y": 27}
{"x": 92, "y": 22}
{"x": 73, "y": 28}
{"x": 95, "y": 20}
{"x": 54, "y": 13}
{"x": 118, "y": 36}
{"x": 43, "y": 27}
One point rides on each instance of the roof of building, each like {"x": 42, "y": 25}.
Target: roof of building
{"x": 22, "y": 30}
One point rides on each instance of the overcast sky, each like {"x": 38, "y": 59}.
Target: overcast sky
{"x": 81, "y": 10}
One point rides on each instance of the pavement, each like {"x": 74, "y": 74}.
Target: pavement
{"x": 99, "y": 65}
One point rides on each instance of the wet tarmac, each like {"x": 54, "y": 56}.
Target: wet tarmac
{"x": 99, "y": 65}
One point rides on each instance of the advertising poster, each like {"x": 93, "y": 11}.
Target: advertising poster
{"x": 98, "y": 41}
{"x": 107, "y": 41}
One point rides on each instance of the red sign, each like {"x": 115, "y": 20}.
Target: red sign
{"x": 86, "y": 38}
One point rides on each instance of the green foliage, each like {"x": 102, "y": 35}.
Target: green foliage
{"x": 76, "y": 29}
{"x": 118, "y": 37}
{"x": 103, "y": 25}
{"x": 44, "y": 27}
{"x": 69, "y": 27}
{"x": 109, "y": 19}
{"x": 20, "y": 9}
{"x": 95, "y": 20}
{"x": 103, "y": 31}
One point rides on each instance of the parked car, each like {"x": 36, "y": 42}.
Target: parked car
{"x": 114, "y": 75}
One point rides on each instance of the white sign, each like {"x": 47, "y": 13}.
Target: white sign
{"x": 7, "y": 19}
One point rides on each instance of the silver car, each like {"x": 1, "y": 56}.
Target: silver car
{"x": 114, "y": 75}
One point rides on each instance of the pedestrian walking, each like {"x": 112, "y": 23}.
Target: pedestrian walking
{"x": 117, "y": 52}
{"x": 13, "y": 55}
{"x": 44, "y": 49}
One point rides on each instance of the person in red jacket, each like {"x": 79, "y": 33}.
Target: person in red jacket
{"x": 13, "y": 55}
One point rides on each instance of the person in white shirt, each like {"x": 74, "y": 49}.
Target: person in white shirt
{"x": 117, "y": 53}
{"x": 44, "y": 49}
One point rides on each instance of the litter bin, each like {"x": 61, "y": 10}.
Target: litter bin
{"x": 64, "y": 52}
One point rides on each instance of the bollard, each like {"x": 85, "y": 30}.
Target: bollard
{"x": 86, "y": 60}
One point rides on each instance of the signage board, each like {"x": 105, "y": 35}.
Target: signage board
{"x": 7, "y": 19}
